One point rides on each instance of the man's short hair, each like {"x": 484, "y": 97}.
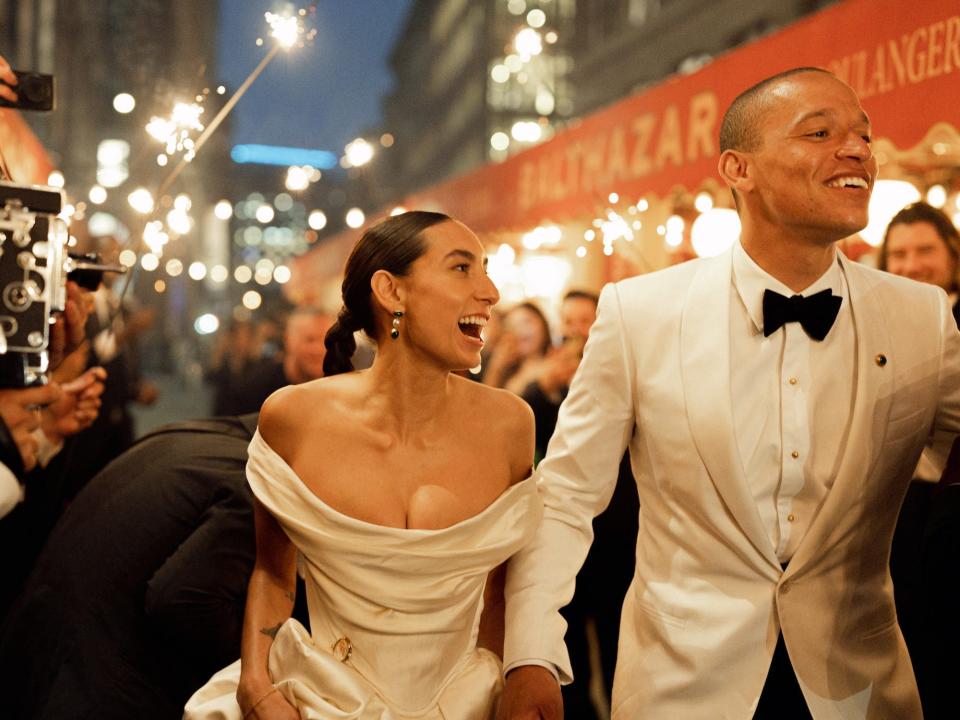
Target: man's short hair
{"x": 739, "y": 129}
{"x": 581, "y": 295}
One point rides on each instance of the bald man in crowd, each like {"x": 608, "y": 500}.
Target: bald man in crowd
{"x": 302, "y": 359}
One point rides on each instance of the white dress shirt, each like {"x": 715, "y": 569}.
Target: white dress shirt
{"x": 792, "y": 399}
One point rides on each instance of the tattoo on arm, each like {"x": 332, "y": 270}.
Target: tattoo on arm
{"x": 271, "y": 632}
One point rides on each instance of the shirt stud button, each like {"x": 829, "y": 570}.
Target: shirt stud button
{"x": 791, "y": 517}
{"x": 880, "y": 359}
{"x": 795, "y": 454}
{"x": 793, "y": 381}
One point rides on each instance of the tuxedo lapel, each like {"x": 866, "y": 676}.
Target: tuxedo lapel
{"x": 868, "y": 423}
{"x": 705, "y": 368}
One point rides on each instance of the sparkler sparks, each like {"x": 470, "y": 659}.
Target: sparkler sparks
{"x": 175, "y": 132}
{"x": 289, "y": 29}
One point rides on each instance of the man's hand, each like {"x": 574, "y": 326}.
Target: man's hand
{"x": 7, "y": 76}
{"x": 19, "y": 410}
{"x": 531, "y": 693}
{"x": 77, "y": 407}
{"x": 68, "y": 332}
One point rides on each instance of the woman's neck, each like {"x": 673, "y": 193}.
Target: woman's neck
{"x": 406, "y": 394}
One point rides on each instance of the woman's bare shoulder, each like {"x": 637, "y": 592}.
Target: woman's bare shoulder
{"x": 508, "y": 423}
{"x": 296, "y": 411}
{"x": 502, "y": 404}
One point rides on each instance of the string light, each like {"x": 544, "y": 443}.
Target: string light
{"x": 251, "y": 300}
{"x": 355, "y": 218}
{"x": 219, "y": 274}
{"x": 358, "y": 153}
{"x": 197, "y": 270}
{"x": 97, "y": 195}
{"x": 141, "y": 200}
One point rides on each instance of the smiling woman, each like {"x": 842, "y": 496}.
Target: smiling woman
{"x": 403, "y": 490}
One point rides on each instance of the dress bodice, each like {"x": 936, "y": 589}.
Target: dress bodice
{"x": 393, "y": 611}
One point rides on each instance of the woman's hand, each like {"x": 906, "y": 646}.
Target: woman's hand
{"x": 268, "y": 705}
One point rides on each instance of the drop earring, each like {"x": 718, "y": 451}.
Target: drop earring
{"x": 395, "y": 332}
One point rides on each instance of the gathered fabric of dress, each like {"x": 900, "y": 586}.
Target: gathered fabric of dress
{"x": 394, "y": 612}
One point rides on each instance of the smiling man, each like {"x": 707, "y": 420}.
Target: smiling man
{"x": 774, "y": 400}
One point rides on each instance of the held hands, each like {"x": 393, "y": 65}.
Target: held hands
{"x": 530, "y": 693}
{"x": 77, "y": 407}
{"x": 269, "y": 704}
{"x": 19, "y": 410}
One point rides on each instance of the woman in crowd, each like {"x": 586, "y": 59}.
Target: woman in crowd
{"x": 400, "y": 489}
{"x": 520, "y": 354}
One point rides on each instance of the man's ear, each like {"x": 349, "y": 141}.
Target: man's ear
{"x": 388, "y": 291}
{"x": 736, "y": 170}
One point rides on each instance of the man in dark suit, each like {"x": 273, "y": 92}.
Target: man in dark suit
{"x": 138, "y": 596}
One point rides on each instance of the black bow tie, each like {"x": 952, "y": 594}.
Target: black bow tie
{"x": 815, "y": 313}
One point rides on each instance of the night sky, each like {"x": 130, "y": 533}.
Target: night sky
{"x": 321, "y": 96}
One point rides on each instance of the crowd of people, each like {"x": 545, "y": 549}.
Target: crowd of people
{"x": 686, "y": 499}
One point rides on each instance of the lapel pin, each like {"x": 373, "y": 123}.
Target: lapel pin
{"x": 880, "y": 359}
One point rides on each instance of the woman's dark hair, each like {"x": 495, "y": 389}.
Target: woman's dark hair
{"x": 922, "y": 212}
{"x": 392, "y": 245}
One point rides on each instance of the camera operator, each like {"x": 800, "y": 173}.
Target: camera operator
{"x": 7, "y": 76}
{"x": 34, "y": 421}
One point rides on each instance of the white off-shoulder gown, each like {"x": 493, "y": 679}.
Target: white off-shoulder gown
{"x": 394, "y": 612}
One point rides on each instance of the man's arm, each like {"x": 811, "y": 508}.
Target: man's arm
{"x": 576, "y": 481}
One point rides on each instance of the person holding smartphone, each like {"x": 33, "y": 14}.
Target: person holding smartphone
{"x": 9, "y": 79}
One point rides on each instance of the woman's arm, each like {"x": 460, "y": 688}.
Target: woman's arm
{"x": 270, "y": 597}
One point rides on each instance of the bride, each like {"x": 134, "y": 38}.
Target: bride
{"x": 396, "y": 492}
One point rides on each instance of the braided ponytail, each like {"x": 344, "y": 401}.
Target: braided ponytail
{"x": 340, "y": 344}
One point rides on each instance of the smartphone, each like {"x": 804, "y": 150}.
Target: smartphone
{"x": 35, "y": 91}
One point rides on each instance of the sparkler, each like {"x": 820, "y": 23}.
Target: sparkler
{"x": 288, "y": 30}
{"x": 176, "y": 133}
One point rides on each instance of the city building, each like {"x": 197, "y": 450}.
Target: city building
{"x": 479, "y": 81}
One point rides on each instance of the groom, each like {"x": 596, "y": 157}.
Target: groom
{"x": 772, "y": 439}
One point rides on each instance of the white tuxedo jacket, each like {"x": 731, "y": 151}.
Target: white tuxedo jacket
{"x": 709, "y": 597}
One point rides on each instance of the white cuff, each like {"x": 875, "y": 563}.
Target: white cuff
{"x": 11, "y": 491}
{"x": 540, "y": 663}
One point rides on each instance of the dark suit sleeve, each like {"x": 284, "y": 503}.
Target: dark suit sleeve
{"x": 194, "y": 602}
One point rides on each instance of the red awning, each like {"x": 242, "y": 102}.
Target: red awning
{"x": 903, "y": 59}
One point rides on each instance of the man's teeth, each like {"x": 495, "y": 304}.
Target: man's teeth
{"x": 473, "y": 320}
{"x": 848, "y": 182}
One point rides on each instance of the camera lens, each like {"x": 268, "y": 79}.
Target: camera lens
{"x": 34, "y": 89}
